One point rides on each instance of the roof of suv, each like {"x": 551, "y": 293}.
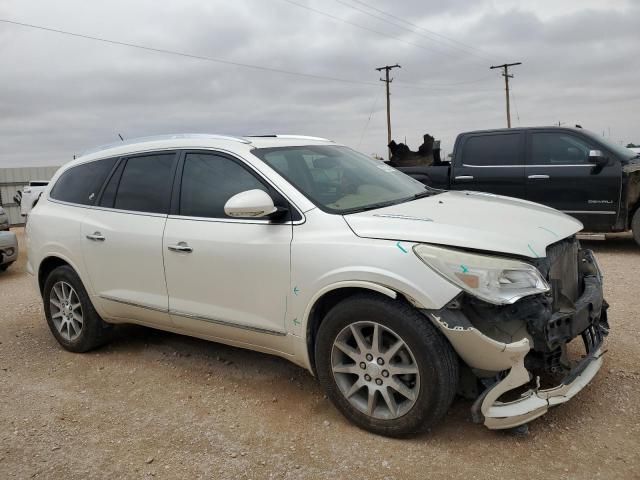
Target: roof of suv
{"x": 197, "y": 140}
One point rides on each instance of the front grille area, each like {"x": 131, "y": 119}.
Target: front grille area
{"x": 573, "y": 309}
{"x": 577, "y": 308}
{"x": 563, "y": 272}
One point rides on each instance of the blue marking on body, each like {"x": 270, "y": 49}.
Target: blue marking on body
{"x": 296, "y": 290}
{"x": 532, "y": 250}
{"x": 401, "y": 247}
{"x": 550, "y": 231}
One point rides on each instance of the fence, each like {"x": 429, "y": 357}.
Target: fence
{"x": 14, "y": 179}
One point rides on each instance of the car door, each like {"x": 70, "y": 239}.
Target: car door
{"x": 122, "y": 239}
{"x": 224, "y": 272}
{"x": 560, "y": 175}
{"x": 490, "y": 162}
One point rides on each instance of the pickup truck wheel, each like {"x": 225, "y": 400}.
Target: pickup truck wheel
{"x": 385, "y": 366}
{"x": 635, "y": 226}
{"x": 70, "y": 314}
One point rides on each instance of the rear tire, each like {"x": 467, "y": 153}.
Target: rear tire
{"x": 73, "y": 321}
{"x": 386, "y": 387}
{"x": 635, "y": 226}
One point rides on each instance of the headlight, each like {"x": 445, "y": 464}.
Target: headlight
{"x": 493, "y": 279}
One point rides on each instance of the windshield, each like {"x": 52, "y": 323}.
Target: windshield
{"x": 619, "y": 150}
{"x": 340, "y": 180}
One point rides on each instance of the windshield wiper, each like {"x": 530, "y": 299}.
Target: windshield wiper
{"x": 373, "y": 206}
{"x": 426, "y": 193}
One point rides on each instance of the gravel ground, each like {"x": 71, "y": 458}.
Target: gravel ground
{"x": 153, "y": 404}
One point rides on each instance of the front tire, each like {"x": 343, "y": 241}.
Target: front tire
{"x": 385, "y": 366}
{"x": 73, "y": 321}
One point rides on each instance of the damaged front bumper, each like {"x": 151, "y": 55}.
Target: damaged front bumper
{"x": 514, "y": 366}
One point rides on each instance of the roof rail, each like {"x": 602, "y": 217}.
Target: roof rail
{"x": 292, "y": 137}
{"x": 133, "y": 141}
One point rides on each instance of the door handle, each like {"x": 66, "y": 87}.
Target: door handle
{"x": 180, "y": 247}
{"x": 464, "y": 177}
{"x": 538, "y": 177}
{"x": 96, "y": 237}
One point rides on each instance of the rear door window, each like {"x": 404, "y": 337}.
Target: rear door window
{"x": 145, "y": 185}
{"x": 493, "y": 150}
{"x": 81, "y": 184}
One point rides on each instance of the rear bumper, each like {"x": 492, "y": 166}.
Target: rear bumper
{"x": 507, "y": 359}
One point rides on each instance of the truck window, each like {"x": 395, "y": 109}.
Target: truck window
{"x": 493, "y": 150}
{"x": 555, "y": 148}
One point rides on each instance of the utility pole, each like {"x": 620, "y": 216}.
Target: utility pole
{"x": 505, "y": 74}
{"x": 387, "y": 80}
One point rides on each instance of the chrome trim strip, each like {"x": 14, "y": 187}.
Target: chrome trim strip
{"x": 527, "y": 166}
{"x": 595, "y": 212}
{"x": 236, "y": 220}
{"x": 107, "y": 209}
{"x": 227, "y": 324}
{"x": 214, "y": 150}
{"x": 132, "y": 304}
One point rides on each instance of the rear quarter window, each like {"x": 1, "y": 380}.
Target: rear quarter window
{"x": 81, "y": 184}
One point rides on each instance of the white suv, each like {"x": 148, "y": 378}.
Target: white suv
{"x": 395, "y": 296}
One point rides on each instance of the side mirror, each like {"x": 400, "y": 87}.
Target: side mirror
{"x": 596, "y": 156}
{"x": 599, "y": 161}
{"x": 250, "y": 204}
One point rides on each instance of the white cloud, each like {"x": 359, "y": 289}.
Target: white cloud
{"x": 60, "y": 95}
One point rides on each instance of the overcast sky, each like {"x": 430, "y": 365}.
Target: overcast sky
{"x": 61, "y": 95}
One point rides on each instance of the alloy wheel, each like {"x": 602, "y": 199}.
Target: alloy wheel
{"x": 375, "y": 370}
{"x": 66, "y": 310}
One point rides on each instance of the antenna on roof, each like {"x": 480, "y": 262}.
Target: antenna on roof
{"x": 121, "y": 137}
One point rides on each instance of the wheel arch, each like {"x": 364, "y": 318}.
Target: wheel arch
{"x": 327, "y": 298}
{"x": 48, "y": 265}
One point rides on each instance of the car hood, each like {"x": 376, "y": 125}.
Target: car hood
{"x": 473, "y": 220}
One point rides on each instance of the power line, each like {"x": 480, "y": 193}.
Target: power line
{"x": 187, "y": 55}
{"x": 362, "y": 27}
{"x": 444, "y": 85}
{"x": 515, "y": 104}
{"x": 412, "y": 29}
{"x": 420, "y": 86}
{"x": 431, "y": 32}
{"x": 366, "y": 125}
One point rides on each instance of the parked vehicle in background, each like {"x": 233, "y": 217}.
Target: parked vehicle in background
{"x": 30, "y": 195}
{"x": 4, "y": 220}
{"x": 570, "y": 169}
{"x": 635, "y": 150}
{"x": 8, "y": 249}
{"x": 396, "y": 296}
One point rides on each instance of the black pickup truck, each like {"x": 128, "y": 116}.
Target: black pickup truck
{"x": 570, "y": 169}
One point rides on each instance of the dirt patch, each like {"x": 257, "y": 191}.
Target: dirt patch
{"x": 153, "y": 404}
